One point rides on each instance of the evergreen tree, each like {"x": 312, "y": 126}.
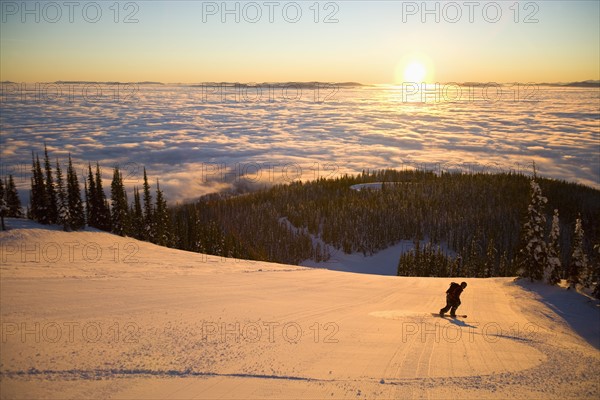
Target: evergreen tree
{"x": 489, "y": 268}
{"x": 596, "y": 292}
{"x": 534, "y": 254}
{"x": 12, "y": 199}
{"x": 74, "y": 203}
{"x": 137, "y": 216}
{"x": 473, "y": 263}
{"x": 119, "y": 208}
{"x": 578, "y": 267}
{"x": 62, "y": 204}
{"x": 38, "y": 192}
{"x": 504, "y": 265}
{"x": 98, "y": 212}
{"x": 101, "y": 203}
{"x": 3, "y": 206}
{"x": 552, "y": 272}
{"x": 51, "y": 205}
{"x": 33, "y": 201}
{"x": 91, "y": 199}
{"x": 162, "y": 223}
{"x": 86, "y": 200}
{"x": 148, "y": 227}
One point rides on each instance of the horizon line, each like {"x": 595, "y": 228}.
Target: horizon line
{"x": 346, "y": 83}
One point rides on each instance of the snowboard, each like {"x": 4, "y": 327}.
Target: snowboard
{"x": 448, "y": 315}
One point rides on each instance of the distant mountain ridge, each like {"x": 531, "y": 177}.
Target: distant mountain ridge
{"x": 590, "y": 83}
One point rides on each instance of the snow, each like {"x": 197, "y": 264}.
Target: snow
{"x": 93, "y": 315}
{"x": 384, "y": 262}
{"x": 377, "y": 185}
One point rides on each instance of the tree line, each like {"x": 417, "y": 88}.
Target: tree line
{"x": 540, "y": 254}
{"x": 54, "y": 201}
{"x": 10, "y": 204}
{"x": 472, "y": 225}
{"x": 462, "y": 225}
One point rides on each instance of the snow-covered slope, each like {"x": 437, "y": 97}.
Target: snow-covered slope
{"x": 93, "y": 315}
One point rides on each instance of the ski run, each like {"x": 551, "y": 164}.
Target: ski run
{"x": 94, "y": 315}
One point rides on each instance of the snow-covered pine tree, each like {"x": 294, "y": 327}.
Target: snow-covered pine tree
{"x": 74, "y": 203}
{"x": 61, "y": 200}
{"x": 119, "y": 208}
{"x": 12, "y": 199}
{"x": 553, "y": 270}
{"x": 534, "y": 254}
{"x": 578, "y": 267}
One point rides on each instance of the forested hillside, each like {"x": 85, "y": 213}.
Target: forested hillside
{"x": 461, "y": 224}
{"x": 477, "y": 217}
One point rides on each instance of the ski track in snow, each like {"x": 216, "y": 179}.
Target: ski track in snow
{"x": 376, "y": 336}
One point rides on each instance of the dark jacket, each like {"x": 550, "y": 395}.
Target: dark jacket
{"x": 454, "y": 291}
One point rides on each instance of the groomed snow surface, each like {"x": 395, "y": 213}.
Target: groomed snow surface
{"x": 93, "y": 315}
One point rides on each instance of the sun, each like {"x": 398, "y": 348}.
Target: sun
{"x": 415, "y": 72}
{"x": 414, "y": 68}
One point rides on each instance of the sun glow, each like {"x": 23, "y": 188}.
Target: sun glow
{"x": 415, "y": 68}
{"x": 415, "y": 72}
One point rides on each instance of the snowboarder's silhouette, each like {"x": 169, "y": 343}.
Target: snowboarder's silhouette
{"x": 453, "y": 298}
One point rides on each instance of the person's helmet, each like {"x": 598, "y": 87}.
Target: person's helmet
{"x": 463, "y": 284}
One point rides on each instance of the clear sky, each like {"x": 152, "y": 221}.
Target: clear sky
{"x": 371, "y": 42}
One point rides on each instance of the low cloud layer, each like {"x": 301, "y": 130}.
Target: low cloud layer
{"x": 196, "y": 144}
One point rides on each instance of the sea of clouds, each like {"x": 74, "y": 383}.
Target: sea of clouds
{"x": 198, "y": 139}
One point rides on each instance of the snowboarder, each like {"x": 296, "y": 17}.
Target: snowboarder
{"x": 453, "y": 298}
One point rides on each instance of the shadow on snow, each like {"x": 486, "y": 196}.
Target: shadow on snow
{"x": 581, "y": 313}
